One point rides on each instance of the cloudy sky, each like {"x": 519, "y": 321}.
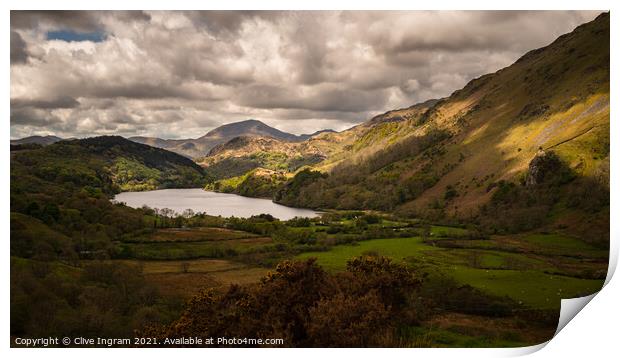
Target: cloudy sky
{"x": 180, "y": 74}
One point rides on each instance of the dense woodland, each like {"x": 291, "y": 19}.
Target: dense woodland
{"x": 67, "y": 187}
{"x": 61, "y": 215}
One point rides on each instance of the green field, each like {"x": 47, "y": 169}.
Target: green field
{"x": 487, "y": 259}
{"x": 193, "y": 243}
{"x": 186, "y": 278}
{"x": 425, "y": 337}
{"x": 192, "y": 234}
{"x": 194, "y": 249}
{"x": 399, "y": 249}
{"x": 525, "y": 278}
{"x": 553, "y": 244}
{"x": 533, "y": 270}
{"x": 184, "y": 266}
{"x": 533, "y": 289}
{"x": 447, "y": 231}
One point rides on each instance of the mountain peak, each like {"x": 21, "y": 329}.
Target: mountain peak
{"x": 248, "y": 127}
{"x": 199, "y": 147}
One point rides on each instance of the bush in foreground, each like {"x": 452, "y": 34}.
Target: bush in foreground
{"x": 305, "y": 306}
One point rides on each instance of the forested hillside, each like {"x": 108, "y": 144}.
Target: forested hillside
{"x": 64, "y": 190}
{"x": 242, "y": 154}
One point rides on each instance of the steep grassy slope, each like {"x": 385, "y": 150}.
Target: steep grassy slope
{"x": 449, "y": 157}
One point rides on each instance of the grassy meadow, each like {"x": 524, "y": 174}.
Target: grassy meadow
{"x": 535, "y": 270}
{"x": 529, "y": 273}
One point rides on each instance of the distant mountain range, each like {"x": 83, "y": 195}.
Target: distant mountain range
{"x": 199, "y": 147}
{"x": 37, "y": 139}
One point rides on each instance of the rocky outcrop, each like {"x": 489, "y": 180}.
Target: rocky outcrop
{"x": 544, "y": 164}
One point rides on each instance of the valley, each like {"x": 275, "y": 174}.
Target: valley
{"x": 460, "y": 221}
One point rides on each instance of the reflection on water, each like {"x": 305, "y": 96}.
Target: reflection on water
{"x": 211, "y": 203}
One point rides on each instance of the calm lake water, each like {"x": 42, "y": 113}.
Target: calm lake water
{"x": 211, "y": 203}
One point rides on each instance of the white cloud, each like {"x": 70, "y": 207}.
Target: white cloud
{"x": 179, "y": 74}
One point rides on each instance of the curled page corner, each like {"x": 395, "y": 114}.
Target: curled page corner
{"x": 571, "y": 307}
{"x": 613, "y": 261}
{"x": 523, "y": 351}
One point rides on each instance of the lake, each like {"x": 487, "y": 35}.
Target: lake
{"x": 210, "y": 202}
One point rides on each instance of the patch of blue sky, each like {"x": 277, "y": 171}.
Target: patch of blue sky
{"x": 73, "y": 36}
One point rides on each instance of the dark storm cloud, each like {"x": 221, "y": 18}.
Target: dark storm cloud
{"x": 76, "y": 20}
{"x": 33, "y": 117}
{"x": 60, "y": 102}
{"x": 179, "y": 74}
{"x": 327, "y": 99}
{"x": 141, "y": 91}
{"x": 210, "y": 69}
{"x": 84, "y": 21}
{"x": 19, "y": 50}
{"x": 228, "y": 21}
{"x": 415, "y": 42}
{"x": 131, "y": 16}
